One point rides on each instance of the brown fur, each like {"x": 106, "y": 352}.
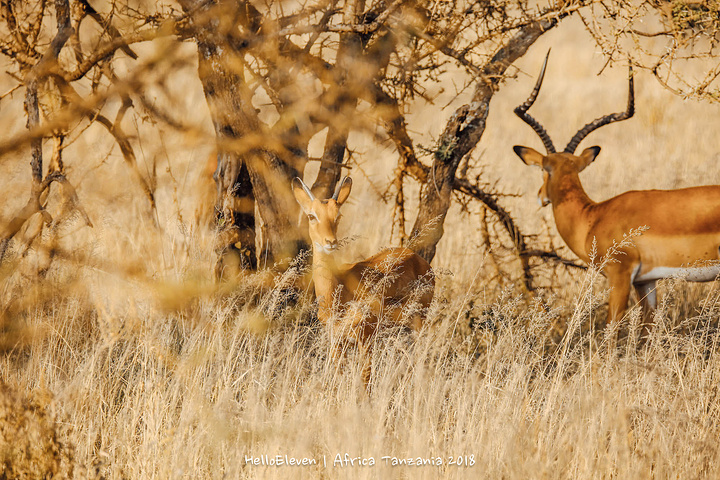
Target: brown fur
{"x": 683, "y": 226}
{"x": 355, "y": 299}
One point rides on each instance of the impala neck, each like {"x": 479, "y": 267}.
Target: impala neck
{"x": 571, "y": 208}
{"x": 325, "y": 278}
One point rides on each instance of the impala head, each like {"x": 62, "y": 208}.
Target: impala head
{"x": 323, "y": 215}
{"x": 555, "y": 165}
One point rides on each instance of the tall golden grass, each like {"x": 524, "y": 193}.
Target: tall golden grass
{"x": 127, "y": 361}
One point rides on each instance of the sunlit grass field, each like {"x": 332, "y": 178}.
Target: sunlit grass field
{"x": 127, "y": 360}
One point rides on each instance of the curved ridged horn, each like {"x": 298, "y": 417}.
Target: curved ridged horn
{"x": 521, "y": 111}
{"x": 299, "y": 181}
{"x": 339, "y": 186}
{"x": 615, "y": 117}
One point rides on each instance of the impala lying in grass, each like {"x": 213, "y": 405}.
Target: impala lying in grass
{"x": 681, "y": 236}
{"x": 395, "y": 286}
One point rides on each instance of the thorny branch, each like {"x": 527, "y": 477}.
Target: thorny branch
{"x": 34, "y": 78}
{"x": 681, "y": 52}
{"x": 408, "y": 163}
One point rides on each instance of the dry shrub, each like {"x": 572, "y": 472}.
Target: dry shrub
{"x": 32, "y": 442}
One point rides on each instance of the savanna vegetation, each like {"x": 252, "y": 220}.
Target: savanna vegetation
{"x": 156, "y": 317}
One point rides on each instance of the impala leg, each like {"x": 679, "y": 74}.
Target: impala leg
{"x": 619, "y": 296}
{"x": 417, "y": 322}
{"x": 648, "y": 300}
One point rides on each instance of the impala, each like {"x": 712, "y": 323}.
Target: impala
{"x": 396, "y": 285}
{"x": 681, "y": 236}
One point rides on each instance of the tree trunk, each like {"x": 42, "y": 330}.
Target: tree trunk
{"x": 248, "y": 175}
{"x": 341, "y": 100}
{"x": 235, "y": 201}
{"x": 283, "y": 239}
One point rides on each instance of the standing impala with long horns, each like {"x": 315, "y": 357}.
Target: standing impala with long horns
{"x": 354, "y": 299}
{"x": 681, "y": 236}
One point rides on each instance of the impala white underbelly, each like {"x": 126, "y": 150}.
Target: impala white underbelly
{"x": 704, "y": 273}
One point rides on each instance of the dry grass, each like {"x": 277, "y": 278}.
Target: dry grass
{"x": 126, "y": 361}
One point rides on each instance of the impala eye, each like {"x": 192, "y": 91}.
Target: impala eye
{"x": 313, "y": 218}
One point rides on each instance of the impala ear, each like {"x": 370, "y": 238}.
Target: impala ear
{"x": 343, "y": 192}
{"x": 303, "y": 195}
{"x": 588, "y": 156}
{"x": 529, "y": 156}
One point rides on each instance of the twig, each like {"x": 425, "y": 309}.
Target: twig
{"x": 10, "y": 92}
{"x": 655, "y": 34}
{"x": 362, "y": 28}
